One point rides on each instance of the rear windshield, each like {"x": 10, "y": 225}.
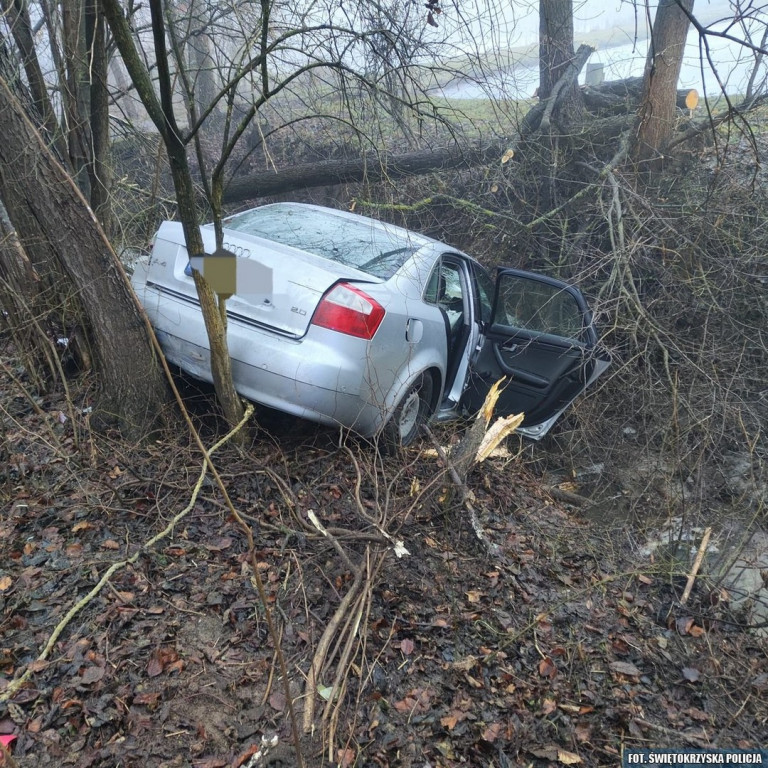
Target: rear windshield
{"x": 352, "y": 242}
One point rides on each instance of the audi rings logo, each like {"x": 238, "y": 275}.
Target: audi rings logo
{"x": 238, "y": 250}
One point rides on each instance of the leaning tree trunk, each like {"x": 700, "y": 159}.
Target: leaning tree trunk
{"x": 656, "y": 116}
{"x": 49, "y": 213}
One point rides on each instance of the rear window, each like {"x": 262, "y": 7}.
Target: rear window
{"x": 352, "y": 242}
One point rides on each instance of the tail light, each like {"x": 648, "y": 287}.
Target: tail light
{"x": 348, "y": 310}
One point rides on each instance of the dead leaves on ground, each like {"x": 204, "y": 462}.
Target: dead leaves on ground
{"x": 556, "y": 754}
{"x": 474, "y": 658}
{"x": 164, "y": 659}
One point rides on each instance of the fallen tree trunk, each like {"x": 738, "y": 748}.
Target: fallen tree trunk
{"x": 621, "y": 96}
{"x": 378, "y": 166}
{"x": 610, "y": 98}
{"x": 372, "y": 167}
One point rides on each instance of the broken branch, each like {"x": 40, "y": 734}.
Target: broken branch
{"x": 696, "y": 566}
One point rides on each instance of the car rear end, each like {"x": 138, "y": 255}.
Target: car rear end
{"x": 327, "y": 341}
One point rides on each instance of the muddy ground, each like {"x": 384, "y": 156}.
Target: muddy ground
{"x": 547, "y": 644}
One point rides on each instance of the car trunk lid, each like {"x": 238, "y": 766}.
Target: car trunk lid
{"x": 280, "y": 287}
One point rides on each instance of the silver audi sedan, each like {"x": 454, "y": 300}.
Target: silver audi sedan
{"x": 349, "y": 321}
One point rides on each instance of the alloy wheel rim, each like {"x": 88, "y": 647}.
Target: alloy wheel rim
{"x": 409, "y": 414}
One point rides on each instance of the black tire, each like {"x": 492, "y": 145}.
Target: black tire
{"x": 409, "y": 415}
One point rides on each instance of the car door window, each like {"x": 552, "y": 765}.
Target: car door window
{"x": 538, "y": 307}
{"x": 445, "y": 289}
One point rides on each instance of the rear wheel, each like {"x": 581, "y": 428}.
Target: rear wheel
{"x": 411, "y": 412}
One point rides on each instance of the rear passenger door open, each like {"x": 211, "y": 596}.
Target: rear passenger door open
{"x": 541, "y": 340}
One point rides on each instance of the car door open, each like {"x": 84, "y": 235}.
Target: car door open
{"x": 540, "y": 338}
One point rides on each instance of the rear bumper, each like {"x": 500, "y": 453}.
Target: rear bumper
{"x": 287, "y": 375}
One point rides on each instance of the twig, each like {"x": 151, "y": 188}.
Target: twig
{"x": 268, "y": 688}
{"x": 352, "y": 628}
{"x": 697, "y": 741}
{"x": 31, "y": 400}
{"x": 747, "y": 105}
{"x": 354, "y": 641}
{"x": 342, "y": 554}
{"x": 358, "y": 483}
{"x": 322, "y": 649}
{"x": 339, "y": 687}
{"x": 696, "y": 566}
{"x": 568, "y": 497}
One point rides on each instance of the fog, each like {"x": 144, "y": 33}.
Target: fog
{"x": 619, "y": 31}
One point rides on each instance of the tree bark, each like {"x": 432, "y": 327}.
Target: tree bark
{"x": 370, "y": 168}
{"x": 656, "y": 116}
{"x": 99, "y": 166}
{"x": 201, "y": 63}
{"x": 555, "y": 56}
{"x": 560, "y": 93}
{"x": 47, "y": 210}
{"x": 76, "y": 94}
